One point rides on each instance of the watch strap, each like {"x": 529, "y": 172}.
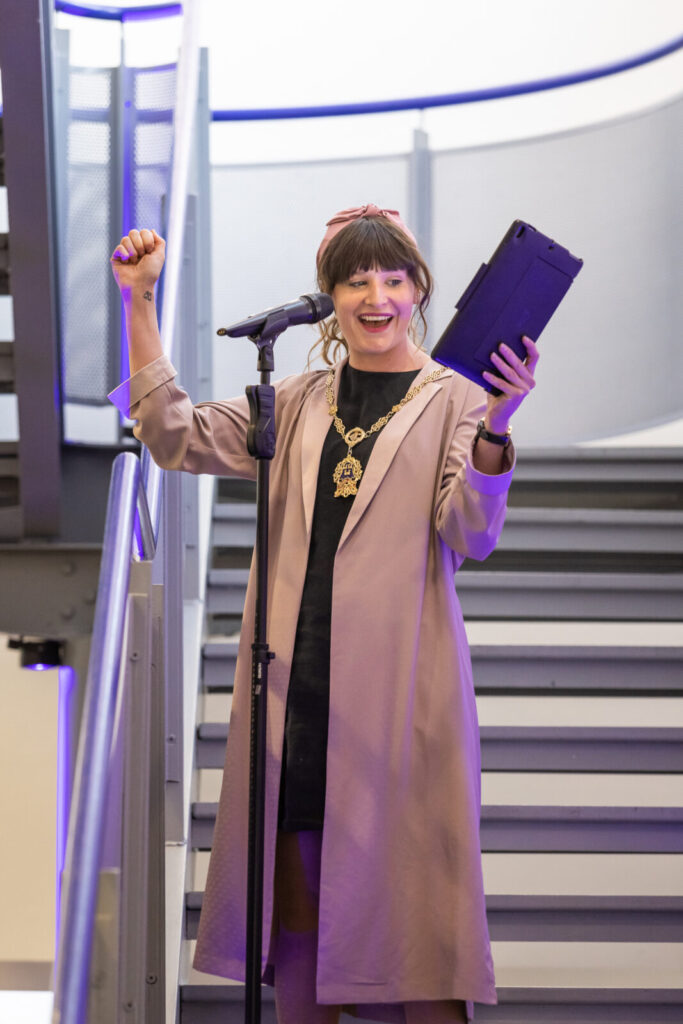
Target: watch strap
{"x": 501, "y": 439}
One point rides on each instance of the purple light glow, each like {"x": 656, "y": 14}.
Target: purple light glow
{"x": 106, "y": 13}
{"x": 67, "y": 679}
{"x": 38, "y": 666}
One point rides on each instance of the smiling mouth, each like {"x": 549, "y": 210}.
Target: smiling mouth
{"x": 376, "y": 320}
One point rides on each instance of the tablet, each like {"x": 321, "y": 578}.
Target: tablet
{"x": 515, "y": 293}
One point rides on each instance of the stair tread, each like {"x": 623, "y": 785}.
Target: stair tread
{"x": 506, "y": 994}
{"x": 558, "y": 733}
{"x": 483, "y": 578}
{"x": 241, "y": 513}
{"x": 532, "y": 901}
{"x": 206, "y": 810}
{"x": 503, "y": 648}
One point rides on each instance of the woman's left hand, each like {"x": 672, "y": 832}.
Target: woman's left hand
{"x": 515, "y": 379}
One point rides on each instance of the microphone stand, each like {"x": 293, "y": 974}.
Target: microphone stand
{"x": 264, "y": 330}
{"x": 260, "y": 444}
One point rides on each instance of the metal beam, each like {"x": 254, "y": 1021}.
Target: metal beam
{"x": 48, "y": 591}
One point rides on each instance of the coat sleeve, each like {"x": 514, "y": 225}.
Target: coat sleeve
{"x": 210, "y": 437}
{"x": 470, "y": 506}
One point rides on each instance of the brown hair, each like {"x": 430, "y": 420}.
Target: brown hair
{"x": 366, "y": 244}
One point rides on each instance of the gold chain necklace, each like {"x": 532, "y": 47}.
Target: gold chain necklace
{"x": 349, "y": 471}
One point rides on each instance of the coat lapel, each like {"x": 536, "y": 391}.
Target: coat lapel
{"x": 388, "y": 444}
{"x": 315, "y": 427}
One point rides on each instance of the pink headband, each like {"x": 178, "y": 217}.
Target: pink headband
{"x": 344, "y": 217}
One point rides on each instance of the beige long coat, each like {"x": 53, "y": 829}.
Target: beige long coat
{"x": 402, "y": 912}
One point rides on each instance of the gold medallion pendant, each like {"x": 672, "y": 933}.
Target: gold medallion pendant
{"x": 349, "y": 470}
{"x": 346, "y": 477}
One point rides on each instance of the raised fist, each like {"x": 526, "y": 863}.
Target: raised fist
{"x": 137, "y": 260}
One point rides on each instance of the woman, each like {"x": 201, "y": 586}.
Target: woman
{"x": 382, "y": 484}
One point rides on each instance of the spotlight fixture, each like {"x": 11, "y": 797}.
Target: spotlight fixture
{"x": 38, "y": 654}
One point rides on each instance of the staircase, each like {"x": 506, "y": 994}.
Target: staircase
{"x": 576, "y": 628}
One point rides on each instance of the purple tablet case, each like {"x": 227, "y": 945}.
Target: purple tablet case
{"x": 515, "y": 293}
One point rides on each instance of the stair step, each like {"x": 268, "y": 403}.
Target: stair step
{"x": 224, "y": 1004}
{"x": 221, "y": 1004}
{"x": 556, "y": 918}
{"x": 510, "y": 829}
{"x": 522, "y": 595}
{"x": 526, "y": 529}
{"x": 587, "y": 1006}
{"x": 518, "y": 668}
{"x": 533, "y": 749}
{"x": 578, "y": 529}
{"x": 575, "y": 477}
{"x": 226, "y": 591}
{"x": 606, "y": 466}
{"x": 571, "y": 595}
{"x": 218, "y": 665}
{"x": 578, "y": 669}
{"x": 234, "y": 525}
{"x": 6, "y": 366}
{"x": 9, "y": 479}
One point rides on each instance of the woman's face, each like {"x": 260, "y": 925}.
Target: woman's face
{"x": 374, "y": 308}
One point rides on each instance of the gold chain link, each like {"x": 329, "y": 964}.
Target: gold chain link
{"x": 357, "y": 434}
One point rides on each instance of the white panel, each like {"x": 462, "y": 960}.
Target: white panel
{"x": 611, "y": 358}
{"x": 575, "y": 789}
{"x": 4, "y": 223}
{"x": 588, "y": 964}
{"x": 267, "y": 226}
{"x": 6, "y": 318}
{"x": 582, "y": 634}
{"x": 274, "y": 54}
{"x": 26, "y": 1007}
{"x": 28, "y": 757}
{"x": 587, "y": 874}
{"x": 575, "y": 712}
{"x": 9, "y": 419}
{"x": 87, "y": 424}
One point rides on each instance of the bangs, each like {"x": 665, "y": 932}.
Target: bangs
{"x": 366, "y": 244}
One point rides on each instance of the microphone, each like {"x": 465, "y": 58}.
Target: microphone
{"x": 307, "y": 309}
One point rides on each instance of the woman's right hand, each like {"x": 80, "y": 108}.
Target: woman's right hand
{"x": 137, "y": 260}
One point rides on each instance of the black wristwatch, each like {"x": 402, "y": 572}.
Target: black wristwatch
{"x": 502, "y": 439}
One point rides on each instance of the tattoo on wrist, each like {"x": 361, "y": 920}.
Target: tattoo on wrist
{"x": 148, "y": 295}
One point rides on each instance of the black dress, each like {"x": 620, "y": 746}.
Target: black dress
{"x": 364, "y": 396}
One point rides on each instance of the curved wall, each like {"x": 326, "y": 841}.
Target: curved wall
{"x": 611, "y": 358}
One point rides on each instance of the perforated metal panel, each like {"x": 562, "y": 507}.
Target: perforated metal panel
{"x": 88, "y": 362}
{"x": 154, "y": 96}
{"x": 119, "y": 155}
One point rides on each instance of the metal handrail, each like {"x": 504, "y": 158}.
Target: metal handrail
{"x": 136, "y": 485}
{"x": 452, "y": 99}
{"x": 86, "y": 829}
{"x": 161, "y": 10}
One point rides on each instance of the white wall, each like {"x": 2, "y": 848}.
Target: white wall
{"x": 611, "y": 358}
{"x": 266, "y": 227}
{"x": 303, "y": 53}
{"x": 28, "y": 766}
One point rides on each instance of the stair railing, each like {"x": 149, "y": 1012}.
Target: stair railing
{"x": 111, "y": 948}
{"x": 112, "y": 851}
